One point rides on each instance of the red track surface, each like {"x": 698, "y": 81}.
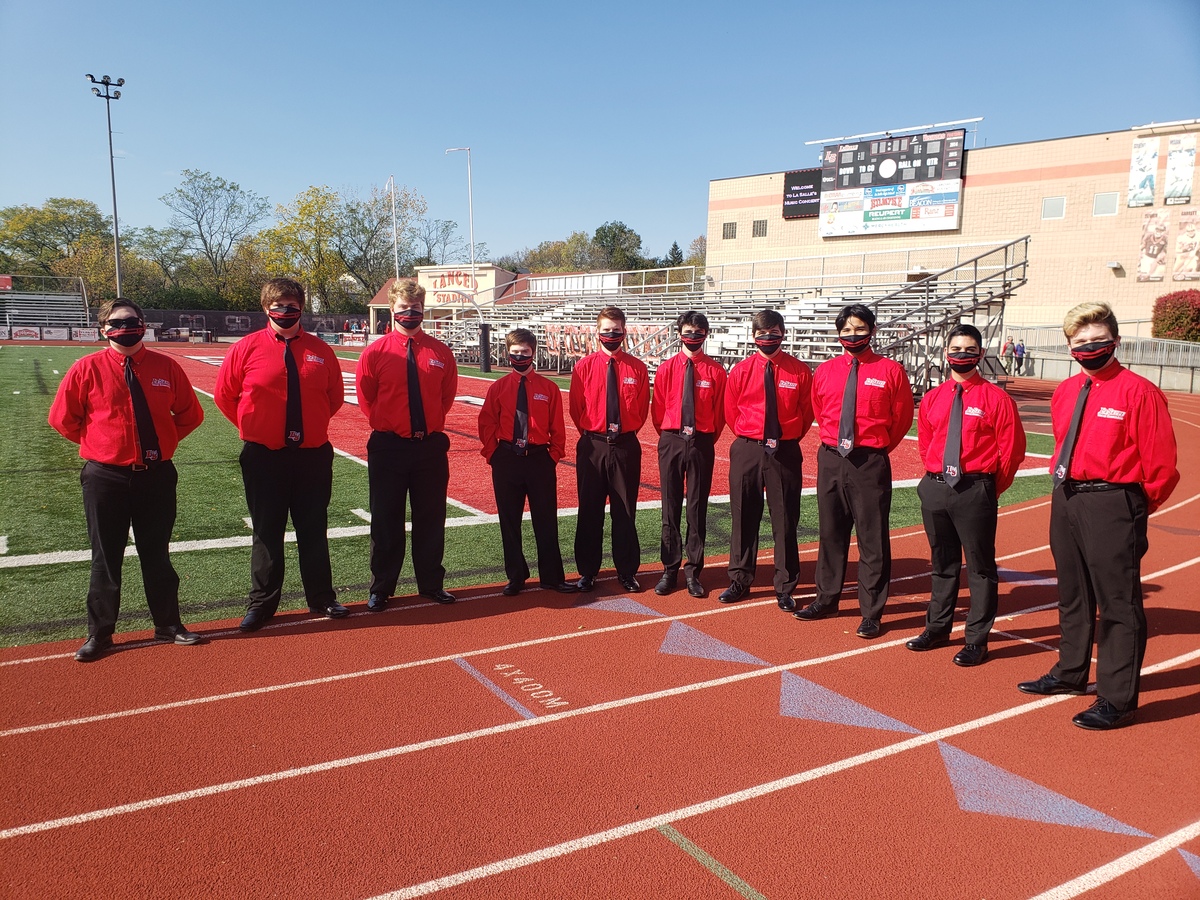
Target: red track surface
{"x": 421, "y": 777}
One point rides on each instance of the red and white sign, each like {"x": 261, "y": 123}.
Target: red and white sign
{"x": 5, "y": 282}
{"x": 26, "y": 333}
{"x": 85, "y": 334}
{"x": 354, "y": 339}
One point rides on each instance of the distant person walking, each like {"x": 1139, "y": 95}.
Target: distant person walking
{"x": 1007, "y": 354}
{"x": 1019, "y": 358}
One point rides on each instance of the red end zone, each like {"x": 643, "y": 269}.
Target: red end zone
{"x": 471, "y": 480}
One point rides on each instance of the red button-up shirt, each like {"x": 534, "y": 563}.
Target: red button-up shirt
{"x": 1125, "y": 435}
{"x": 745, "y": 408}
{"x": 382, "y": 382}
{"x": 93, "y": 409}
{"x": 708, "y": 392}
{"x": 993, "y": 439}
{"x": 251, "y": 387}
{"x": 883, "y": 406}
{"x": 498, "y": 414}
{"x": 589, "y": 392}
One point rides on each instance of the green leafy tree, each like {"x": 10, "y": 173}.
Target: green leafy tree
{"x": 674, "y": 256}
{"x": 35, "y": 238}
{"x": 619, "y": 247}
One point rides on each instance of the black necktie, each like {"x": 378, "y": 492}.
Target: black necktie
{"x": 416, "y": 410}
{"x": 849, "y": 400}
{"x": 951, "y": 457}
{"x": 293, "y": 429}
{"x": 1063, "y": 463}
{"x": 687, "y": 410}
{"x": 771, "y": 430}
{"x": 521, "y": 421}
{"x": 612, "y": 403}
{"x": 146, "y": 435}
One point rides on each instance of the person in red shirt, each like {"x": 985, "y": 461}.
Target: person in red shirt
{"x": 523, "y": 436}
{"x": 128, "y": 408}
{"x": 768, "y": 405}
{"x": 406, "y": 382}
{"x": 688, "y": 412}
{"x": 1114, "y": 464}
{"x": 280, "y": 386}
{"x": 864, "y": 407}
{"x": 972, "y": 443}
{"x": 609, "y": 401}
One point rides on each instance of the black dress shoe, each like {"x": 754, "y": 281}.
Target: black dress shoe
{"x": 786, "y": 602}
{"x": 1100, "y": 716}
{"x": 629, "y": 583}
{"x": 93, "y": 648}
{"x": 333, "y": 610}
{"x": 695, "y": 588}
{"x": 563, "y": 587}
{"x": 1048, "y": 684}
{"x": 177, "y": 634}
{"x": 816, "y": 610}
{"x": 255, "y": 619}
{"x": 735, "y": 592}
{"x": 869, "y": 628}
{"x": 971, "y": 655}
{"x": 377, "y": 603}
{"x": 440, "y": 595}
{"x": 513, "y": 588}
{"x": 666, "y": 584}
{"x": 927, "y": 640}
{"x": 586, "y": 583}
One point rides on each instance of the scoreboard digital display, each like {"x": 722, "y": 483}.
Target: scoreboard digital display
{"x": 802, "y": 194}
{"x": 907, "y": 183}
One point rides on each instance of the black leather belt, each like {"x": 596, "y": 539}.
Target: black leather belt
{"x": 1087, "y": 487}
{"x": 966, "y": 478}
{"x": 607, "y": 438}
{"x": 135, "y": 467}
{"x": 855, "y": 448}
{"x": 527, "y": 446}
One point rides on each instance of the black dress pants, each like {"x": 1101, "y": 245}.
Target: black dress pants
{"x": 751, "y": 469}
{"x": 682, "y": 461}
{"x": 514, "y": 478}
{"x": 296, "y": 481}
{"x": 401, "y": 471}
{"x": 957, "y": 520}
{"x": 116, "y": 498}
{"x": 1098, "y": 540}
{"x": 612, "y": 473}
{"x": 854, "y": 492}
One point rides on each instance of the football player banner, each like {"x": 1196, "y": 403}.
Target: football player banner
{"x": 1181, "y": 163}
{"x": 1143, "y": 168}
{"x": 1187, "y": 247}
{"x": 1152, "y": 262}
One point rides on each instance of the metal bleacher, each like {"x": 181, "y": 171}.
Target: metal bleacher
{"x": 917, "y": 295}
{"x": 44, "y": 301}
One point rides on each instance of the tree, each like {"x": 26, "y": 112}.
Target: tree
{"x": 437, "y": 244}
{"x": 619, "y": 247}
{"x": 674, "y": 256}
{"x": 1177, "y": 316}
{"x": 301, "y": 245}
{"x": 35, "y": 238}
{"x": 697, "y": 251}
{"x": 166, "y": 248}
{"x": 215, "y": 214}
{"x": 364, "y": 237}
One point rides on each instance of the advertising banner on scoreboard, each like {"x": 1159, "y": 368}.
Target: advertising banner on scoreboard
{"x": 801, "y": 194}
{"x": 1152, "y": 259}
{"x": 1187, "y": 247}
{"x": 911, "y": 183}
{"x": 1181, "y": 163}
{"x": 1143, "y": 168}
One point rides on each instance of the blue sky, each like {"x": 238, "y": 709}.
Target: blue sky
{"x": 577, "y": 114}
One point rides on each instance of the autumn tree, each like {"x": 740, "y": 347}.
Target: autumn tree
{"x": 697, "y": 250}
{"x": 35, "y": 238}
{"x": 364, "y": 240}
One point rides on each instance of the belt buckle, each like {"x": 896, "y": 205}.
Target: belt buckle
{"x": 139, "y": 467}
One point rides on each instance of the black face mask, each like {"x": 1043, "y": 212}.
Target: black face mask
{"x": 520, "y": 363}
{"x": 612, "y": 340}
{"x": 693, "y": 343}
{"x": 128, "y": 333}
{"x": 768, "y": 343}
{"x": 1094, "y": 355}
{"x": 963, "y": 362}
{"x": 284, "y": 317}
{"x": 409, "y": 318}
{"x": 857, "y": 343}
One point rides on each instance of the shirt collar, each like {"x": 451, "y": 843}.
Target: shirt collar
{"x": 1108, "y": 373}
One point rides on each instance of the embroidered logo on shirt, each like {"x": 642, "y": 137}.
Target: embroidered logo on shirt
{"x": 629, "y": 380}
{"x": 703, "y": 384}
{"x": 308, "y": 357}
{"x": 159, "y": 382}
{"x": 540, "y": 397}
{"x": 150, "y": 455}
{"x": 1107, "y": 412}
{"x": 790, "y": 385}
{"x": 973, "y": 411}
{"x": 874, "y": 382}
{"x": 438, "y": 363}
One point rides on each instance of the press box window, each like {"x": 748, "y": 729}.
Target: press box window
{"x": 1105, "y": 204}
{"x": 729, "y": 231}
{"x": 760, "y": 228}
{"x": 1054, "y": 207}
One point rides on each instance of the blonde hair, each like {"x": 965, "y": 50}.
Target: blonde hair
{"x": 1095, "y": 312}
{"x": 406, "y": 290}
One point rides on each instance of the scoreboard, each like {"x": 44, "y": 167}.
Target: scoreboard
{"x": 908, "y": 183}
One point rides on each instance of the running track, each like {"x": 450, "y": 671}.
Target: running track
{"x": 665, "y": 747}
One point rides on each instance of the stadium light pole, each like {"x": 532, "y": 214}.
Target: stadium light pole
{"x": 112, "y": 169}
{"x": 470, "y": 210}
{"x": 395, "y": 236}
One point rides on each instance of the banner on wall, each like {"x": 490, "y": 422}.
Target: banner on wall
{"x": 1181, "y": 163}
{"x": 1143, "y": 168}
{"x": 26, "y": 333}
{"x": 85, "y": 334}
{"x": 56, "y": 333}
{"x": 5, "y": 333}
{"x": 1156, "y": 232}
{"x": 1187, "y": 247}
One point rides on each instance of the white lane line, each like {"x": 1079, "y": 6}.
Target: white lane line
{"x": 3, "y": 544}
{"x": 737, "y": 797}
{"x": 1122, "y": 865}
